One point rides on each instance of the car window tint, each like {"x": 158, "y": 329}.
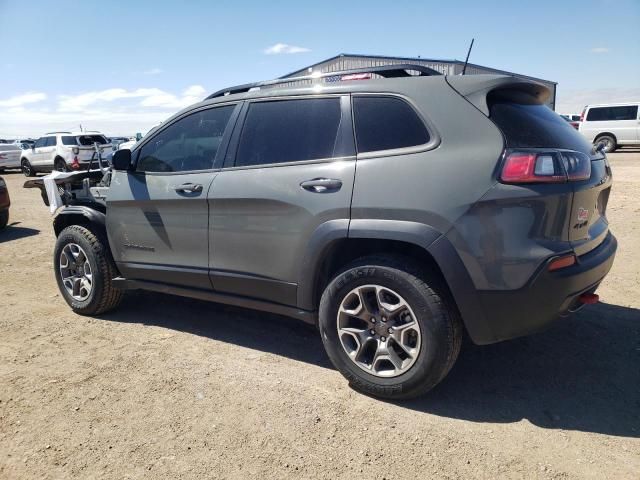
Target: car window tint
{"x": 625, "y": 112}
{"x": 41, "y": 142}
{"x": 191, "y": 143}
{"x": 51, "y": 142}
{"x": 531, "y": 125}
{"x": 384, "y": 123}
{"x": 69, "y": 140}
{"x": 289, "y": 131}
{"x": 89, "y": 140}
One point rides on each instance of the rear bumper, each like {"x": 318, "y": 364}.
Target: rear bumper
{"x": 546, "y": 296}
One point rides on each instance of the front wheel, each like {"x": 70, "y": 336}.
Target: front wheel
{"x": 84, "y": 271}
{"x": 391, "y": 332}
{"x": 4, "y": 218}
{"x": 27, "y": 169}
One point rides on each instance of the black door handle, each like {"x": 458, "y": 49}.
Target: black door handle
{"x": 322, "y": 185}
{"x": 188, "y": 187}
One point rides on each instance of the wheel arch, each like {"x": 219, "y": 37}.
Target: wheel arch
{"x": 80, "y": 215}
{"x": 432, "y": 251}
{"x": 607, "y": 134}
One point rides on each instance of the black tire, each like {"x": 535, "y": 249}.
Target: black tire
{"x": 4, "y": 218}
{"x": 435, "y": 313}
{"x": 27, "y": 169}
{"x": 60, "y": 165}
{"x": 103, "y": 296}
{"x": 611, "y": 144}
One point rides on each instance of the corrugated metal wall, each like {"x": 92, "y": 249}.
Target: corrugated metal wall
{"x": 346, "y": 62}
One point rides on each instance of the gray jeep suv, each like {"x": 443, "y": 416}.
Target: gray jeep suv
{"x": 394, "y": 207}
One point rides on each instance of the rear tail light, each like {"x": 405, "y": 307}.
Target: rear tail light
{"x": 548, "y": 166}
{"x": 3, "y": 156}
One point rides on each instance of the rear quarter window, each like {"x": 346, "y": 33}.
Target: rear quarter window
{"x": 387, "y": 123}
{"x": 69, "y": 140}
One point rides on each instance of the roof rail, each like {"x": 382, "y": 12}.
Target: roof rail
{"x": 51, "y": 133}
{"x": 385, "y": 71}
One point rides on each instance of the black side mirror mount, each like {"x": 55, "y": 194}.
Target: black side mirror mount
{"x": 121, "y": 160}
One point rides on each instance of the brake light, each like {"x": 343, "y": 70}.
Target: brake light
{"x": 3, "y": 156}
{"x": 356, "y": 76}
{"x": 545, "y": 166}
{"x": 531, "y": 167}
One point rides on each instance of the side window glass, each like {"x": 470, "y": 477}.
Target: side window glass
{"x": 282, "y": 131}
{"x": 189, "y": 144}
{"x": 51, "y": 141}
{"x": 41, "y": 142}
{"x": 385, "y": 123}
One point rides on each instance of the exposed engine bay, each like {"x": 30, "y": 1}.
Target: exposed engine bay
{"x": 87, "y": 187}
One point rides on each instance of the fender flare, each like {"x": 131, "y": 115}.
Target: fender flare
{"x": 437, "y": 245}
{"x": 71, "y": 214}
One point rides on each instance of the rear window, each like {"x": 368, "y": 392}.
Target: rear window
{"x": 531, "y": 125}
{"x": 598, "y": 114}
{"x": 385, "y": 123}
{"x": 88, "y": 140}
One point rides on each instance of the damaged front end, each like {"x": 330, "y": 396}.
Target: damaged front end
{"x": 87, "y": 187}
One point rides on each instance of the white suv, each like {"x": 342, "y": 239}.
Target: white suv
{"x": 63, "y": 151}
{"x": 613, "y": 125}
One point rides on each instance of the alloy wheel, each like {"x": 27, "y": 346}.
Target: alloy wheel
{"x": 378, "y": 330}
{"x": 75, "y": 271}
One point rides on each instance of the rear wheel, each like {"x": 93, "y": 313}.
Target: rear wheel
{"x": 60, "y": 165}
{"x": 84, "y": 271}
{"x": 388, "y": 329}
{"x": 27, "y": 169}
{"x": 609, "y": 142}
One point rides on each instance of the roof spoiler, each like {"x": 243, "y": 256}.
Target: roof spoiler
{"x": 477, "y": 88}
{"x": 385, "y": 71}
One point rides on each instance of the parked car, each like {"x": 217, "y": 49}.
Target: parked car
{"x": 612, "y": 125}
{"x": 62, "y": 151}
{"x": 574, "y": 120}
{"x": 9, "y": 155}
{"x": 5, "y": 203}
{"x": 473, "y": 206}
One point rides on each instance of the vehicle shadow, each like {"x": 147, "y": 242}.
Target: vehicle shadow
{"x": 582, "y": 374}
{"x": 13, "y": 232}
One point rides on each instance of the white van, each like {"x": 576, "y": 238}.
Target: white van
{"x": 614, "y": 124}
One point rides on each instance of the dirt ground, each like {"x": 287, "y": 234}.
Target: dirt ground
{"x": 175, "y": 388}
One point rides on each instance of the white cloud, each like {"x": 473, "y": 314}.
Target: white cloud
{"x": 599, "y": 50}
{"x": 25, "y": 98}
{"x": 191, "y": 95}
{"x": 573, "y": 101}
{"x": 114, "y": 110}
{"x": 153, "y": 71}
{"x": 279, "y": 48}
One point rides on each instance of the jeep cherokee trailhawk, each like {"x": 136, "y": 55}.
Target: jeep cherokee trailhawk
{"x": 394, "y": 207}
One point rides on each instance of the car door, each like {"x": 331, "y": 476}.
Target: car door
{"x": 158, "y": 215}
{"x": 37, "y": 151}
{"x": 287, "y": 179}
{"x": 48, "y": 153}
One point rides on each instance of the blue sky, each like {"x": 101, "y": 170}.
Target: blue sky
{"x": 122, "y": 66}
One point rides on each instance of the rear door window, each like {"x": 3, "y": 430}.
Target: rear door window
{"x": 386, "y": 123}
{"x": 532, "y": 125}
{"x": 281, "y": 131}
{"x": 623, "y": 112}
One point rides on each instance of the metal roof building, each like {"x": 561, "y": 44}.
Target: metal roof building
{"x": 347, "y": 61}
